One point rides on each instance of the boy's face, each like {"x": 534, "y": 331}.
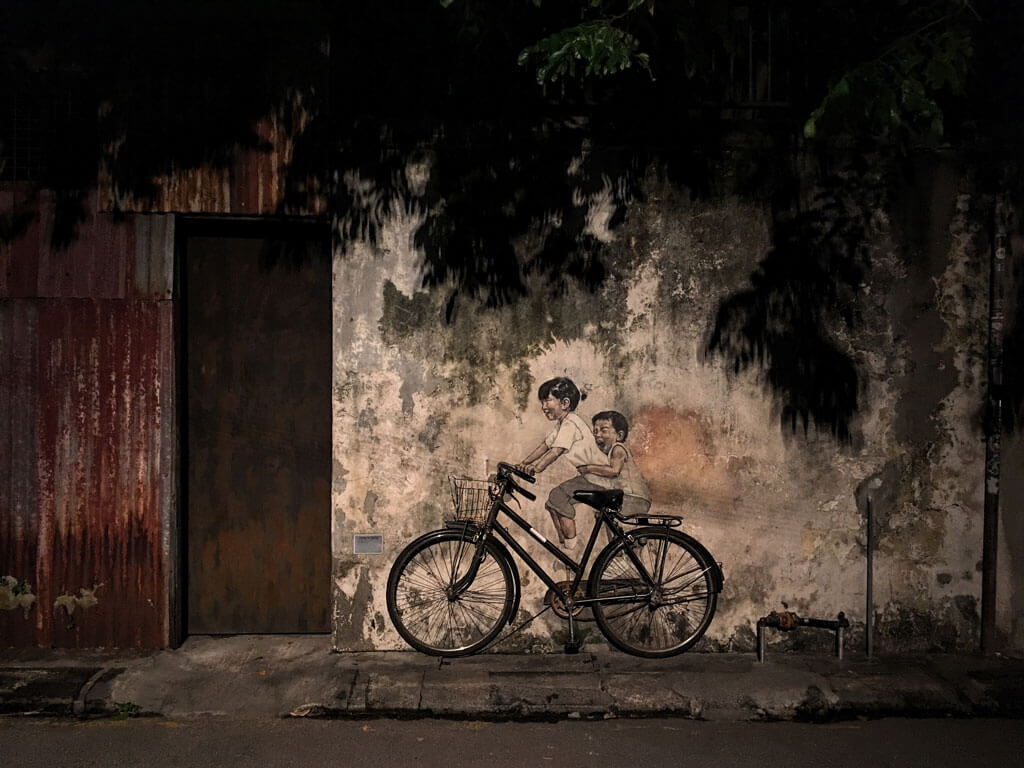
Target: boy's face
{"x": 604, "y": 434}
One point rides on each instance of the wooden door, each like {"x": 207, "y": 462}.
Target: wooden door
{"x": 258, "y": 368}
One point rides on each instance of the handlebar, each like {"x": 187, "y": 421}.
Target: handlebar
{"x": 505, "y": 470}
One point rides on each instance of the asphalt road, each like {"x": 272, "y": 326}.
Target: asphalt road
{"x": 31, "y": 743}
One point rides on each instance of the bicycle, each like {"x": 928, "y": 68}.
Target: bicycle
{"x": 652, "y": 590}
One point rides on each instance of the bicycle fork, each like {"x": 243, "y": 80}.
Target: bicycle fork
{"x": 457, "y": 586}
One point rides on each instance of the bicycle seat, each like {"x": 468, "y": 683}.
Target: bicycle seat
{"x": 601, "y": 499}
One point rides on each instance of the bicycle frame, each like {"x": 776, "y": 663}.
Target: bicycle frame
{"x": 491, "y": 525}
{"x": 634, "y": 581}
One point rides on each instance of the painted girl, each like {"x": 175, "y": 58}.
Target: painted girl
{"x": 572, "y": 437}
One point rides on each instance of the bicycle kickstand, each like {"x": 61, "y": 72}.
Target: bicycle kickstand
{"x": 573, "y": 644}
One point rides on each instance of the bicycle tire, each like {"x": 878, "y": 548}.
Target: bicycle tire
{"x": 659, "y": 622}
{"x": 420, "y": 608}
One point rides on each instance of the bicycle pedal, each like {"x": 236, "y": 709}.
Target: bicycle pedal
{"x": 573, "y": 646}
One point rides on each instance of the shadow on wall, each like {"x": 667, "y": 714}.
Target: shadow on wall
{"x": 806, "y": 285}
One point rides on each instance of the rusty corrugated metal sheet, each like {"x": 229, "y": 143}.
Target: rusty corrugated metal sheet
{"x": 19, "y": 492}
{"x": 86, "y": 430}
{"x": 154, "y": 255}
{"x": 113, "y": 258}
{"x": 90, "y": 473}
{"x": 253, "y": 185}
{"x": 18, "y": 265}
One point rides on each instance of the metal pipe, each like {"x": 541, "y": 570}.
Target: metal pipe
{"x": 993, "y": 447}
{"x": 786, "y": 621}
{"x": 869, "y": 608}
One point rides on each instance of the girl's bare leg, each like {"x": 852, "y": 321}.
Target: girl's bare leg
{"x": 566, "y": 539}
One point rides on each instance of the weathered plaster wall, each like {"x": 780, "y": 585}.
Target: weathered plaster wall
{"x": 416, "y": 398}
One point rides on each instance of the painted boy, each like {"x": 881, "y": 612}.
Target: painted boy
{"x": 610, "y": 432}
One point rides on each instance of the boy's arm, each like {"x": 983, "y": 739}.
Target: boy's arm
{"x": 615, "y": 461}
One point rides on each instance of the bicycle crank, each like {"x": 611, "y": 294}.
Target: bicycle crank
{"x": 557, "y": 606}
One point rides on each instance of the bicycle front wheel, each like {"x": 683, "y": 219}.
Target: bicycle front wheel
{"x": 657, "y": 594}
{"x": 426, "y": 611}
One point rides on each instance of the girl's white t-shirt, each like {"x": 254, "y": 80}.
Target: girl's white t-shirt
{"x": 573, "y": 435}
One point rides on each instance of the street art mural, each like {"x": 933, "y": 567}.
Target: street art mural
{"x": 651, "y": 590}
{"x": 589, "y": 453}
{"x": 694, "y": 336}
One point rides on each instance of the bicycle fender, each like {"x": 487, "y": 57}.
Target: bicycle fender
{"x": 717, "y": 577}
{"x": 500, "y": 550}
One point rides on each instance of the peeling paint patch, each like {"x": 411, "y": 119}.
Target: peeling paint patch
{"x": 370, "y": 507}
{"x": 754, "y": 584}
{"x": 16, "y": 593}
{"x": 367, "y": 419}
{"x": 85, "y": 599}
{"x": 949, "y": 626}
{"x": 338, "y": 480}
{"x": 425, "y": 516}
{"x": 353, "y": 600}
{"x": 405, "y": 316}
{"x": 431, "y": 433}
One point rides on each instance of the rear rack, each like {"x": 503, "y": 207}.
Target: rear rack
{"x": 670, "y": 521}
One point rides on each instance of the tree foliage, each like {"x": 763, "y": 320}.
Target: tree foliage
{"x": 522, "y": 110}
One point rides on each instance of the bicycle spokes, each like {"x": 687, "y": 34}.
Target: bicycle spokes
{"x": 443, "y": 619}
{"x": 656, "y": 595}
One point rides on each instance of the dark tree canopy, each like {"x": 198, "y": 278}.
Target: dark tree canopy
{"x": 499, "y": 98}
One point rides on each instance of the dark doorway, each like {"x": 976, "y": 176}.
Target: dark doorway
{"x": 258, "y": 453}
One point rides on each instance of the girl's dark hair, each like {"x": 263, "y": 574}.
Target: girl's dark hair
{"x": 561, "y": 388}
{"x": 619, "y": 423}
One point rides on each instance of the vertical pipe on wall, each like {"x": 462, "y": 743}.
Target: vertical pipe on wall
{"x": 750, "y": 59}
{"x": 869, "y": 609}
{"x": 990, "y": 533}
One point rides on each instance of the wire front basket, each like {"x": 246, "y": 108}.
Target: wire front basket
{"x": 471, "y": 499}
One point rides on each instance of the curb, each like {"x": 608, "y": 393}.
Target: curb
{"x": 298, "y": 679}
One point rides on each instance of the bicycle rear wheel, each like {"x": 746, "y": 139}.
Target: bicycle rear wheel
{"x": 423, "y": 607}
{"x": 658, "y": 594}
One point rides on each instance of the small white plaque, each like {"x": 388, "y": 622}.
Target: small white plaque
{"x": 368, "y": 544}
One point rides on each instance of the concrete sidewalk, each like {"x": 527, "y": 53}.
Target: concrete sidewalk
{"x": 287, "y": 675}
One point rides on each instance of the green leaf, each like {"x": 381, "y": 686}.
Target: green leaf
{"x": 602, "y": 49}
